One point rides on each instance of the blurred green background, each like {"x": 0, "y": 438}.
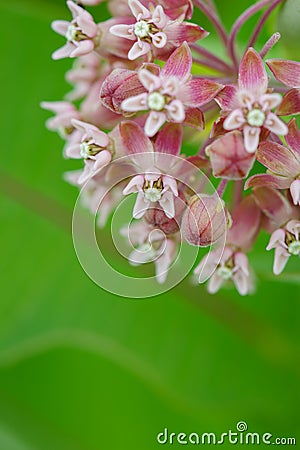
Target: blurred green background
{"x": 82, "y": 369}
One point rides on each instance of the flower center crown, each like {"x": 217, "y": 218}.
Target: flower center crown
{"x": 225, "y": 272}
{"x": 294, "y": 248}
{"x": 256, "y": 117}
{"x": 156, "y": 101}
{"x": 141, "y": 29}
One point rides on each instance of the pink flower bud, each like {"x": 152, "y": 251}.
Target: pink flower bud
{"x": 205, "y": 220}
{"x": 157, "y": 217}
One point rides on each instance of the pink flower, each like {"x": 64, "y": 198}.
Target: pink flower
{"x": 155, "y": 183}
{"x": 94, "y": 146}
{"x": 62, "y": 122}
{"x": 153, "y": 31}
{"x": 232, "y": 263}
{"x": 232, "y": 266}
{"x": 151, "y": 246}
{"x": 286, "y": 242}
{"x": 170, "y": 93}
{"x": 81, "y": 33}
{"x": 283, "y": 164}
{"x": 85, "y": 72}
{"x": 248, "y": 108}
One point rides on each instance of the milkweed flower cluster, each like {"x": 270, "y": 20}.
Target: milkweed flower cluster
{"x": 140, "y": 91}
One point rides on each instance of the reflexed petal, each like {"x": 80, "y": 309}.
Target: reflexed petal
{"x": 252, "y": 73}
{"x": 246, "y": 220}
{"x": 136, "y": 103}
{"x": 150, "y": 81}
{"x": 83, "y": 48}
{"x": 235, "y": 120}
{"x": 251, "y": 138}
{"x": 229, "y": 158}
{"x": 270, "y": 101}
{"x": 180, "y": 32}
{"x": 278, "y": 159}
{"x": 123, "y": 31}
{"x": 293, "y": 137}
{"x": 153, "y": 123}
{"x": 290, "y": 103}
{"x": 176, "y": 111}
{"x": 60, "y": 26}
{"x": 64, "y": 52}
{"x": 138, "y": 10}
{"x": 199, "y": 91}
{"x": 226, "y": 98}
{"x": 295, "y": 192}
{"x": 274, "y": 124}
{"x": 288, "y": 72}
{"x": 266, "y": 179}
{"x": 159, "y": 17}
{"x": 169, "y": 139}
{"x": 194, "y": 117}
{"x": 280, "y": 259}
{"x": 179, "y": 64}
{"x": 273, "y": 204}
{"x": 134, "y": 138}
{"x": 167, "y": 204}
{"x": 159, "y": 40}
{"x": 138, "y": 49}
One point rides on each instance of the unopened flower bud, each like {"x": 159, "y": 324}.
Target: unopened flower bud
{"x": 205, "y": 220}
{"x": 157, "y": 217}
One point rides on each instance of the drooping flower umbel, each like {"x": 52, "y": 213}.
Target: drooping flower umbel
{"x": 249, "y": 105}
{"x": 159, "y": 116}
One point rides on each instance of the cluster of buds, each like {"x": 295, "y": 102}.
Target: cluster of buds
{"x": 139, "y": 97}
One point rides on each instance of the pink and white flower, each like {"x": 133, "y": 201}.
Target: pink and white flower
{"x": 81, "y": 33}
{"x": 249, "y": 107}
{"x": 286, "y": 242}
{"x": 62, "y": 121}
{"x": 232, "y": 266}
{"x": 151, "y": 246}
{"x": 169, "y": 94}
{"x": 155, "y": 183}
{"x": 283, "y": 164}
{"x": 232, "y": 262}
{"x": 154, "y": 32}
